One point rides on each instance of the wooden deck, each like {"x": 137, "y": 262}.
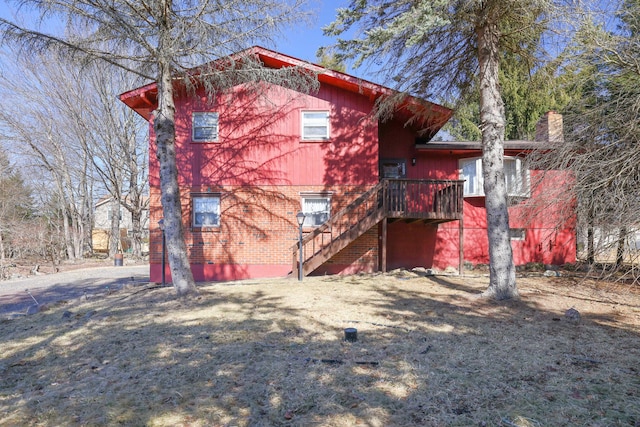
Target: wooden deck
{"x": 433, "y": 201}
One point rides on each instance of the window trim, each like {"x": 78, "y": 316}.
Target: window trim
{"x": 303, "y": 122}
{"x": 315, "y": 195}
{"x": 195, "y": 196}
{"x": 195, "y": 114}
{"x": 479, "y": 180}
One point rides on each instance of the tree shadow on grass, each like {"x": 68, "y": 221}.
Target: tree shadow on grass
{"x": 272, "y": 354}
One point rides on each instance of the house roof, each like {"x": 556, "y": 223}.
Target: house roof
{"x": 143, "y": 100}
{"x": 107, "y": 199}
{"x": 473, "y": 146}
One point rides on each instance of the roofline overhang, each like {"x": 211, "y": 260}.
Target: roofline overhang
{"x": 143, "y": 100}
{"x": 475, "y": 146}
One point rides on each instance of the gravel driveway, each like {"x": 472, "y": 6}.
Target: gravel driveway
{"x": 67, "y": 285}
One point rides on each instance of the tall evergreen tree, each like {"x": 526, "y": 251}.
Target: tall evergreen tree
{"x": 528, "y": 89}
{"x": 445, "y": 47}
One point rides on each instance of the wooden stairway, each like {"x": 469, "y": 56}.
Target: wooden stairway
{"x": 395, "y": 199}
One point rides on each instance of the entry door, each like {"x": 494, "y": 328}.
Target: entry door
{"x": 395, "y": 169}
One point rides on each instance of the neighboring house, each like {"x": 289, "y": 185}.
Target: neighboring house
{"x": 377, "y": 195}
{"x": 103, "y": 212}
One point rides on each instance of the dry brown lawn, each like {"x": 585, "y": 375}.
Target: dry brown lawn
{"x": 272, "y": 353}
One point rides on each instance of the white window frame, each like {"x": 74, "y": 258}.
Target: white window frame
{"x": 474, "y": 187}
{"x": 317, "y": 122}
{"x": 315, "y": 218}
{"x": 522, "y": 174}
{"x": 195, "y": 222}
{"x": 198, "y": 121}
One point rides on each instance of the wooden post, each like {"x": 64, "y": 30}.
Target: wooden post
{"x": 384, "y": 245}
{"x": 294, "y": 271}
{"x": 461, "y": 245}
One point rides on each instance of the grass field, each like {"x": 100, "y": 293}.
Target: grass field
{"x": 272, "y": 353}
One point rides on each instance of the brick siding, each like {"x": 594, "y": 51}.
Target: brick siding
{"x": 258, "y": 227}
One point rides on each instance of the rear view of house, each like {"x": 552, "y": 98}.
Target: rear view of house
{"x": 376, "y": 194}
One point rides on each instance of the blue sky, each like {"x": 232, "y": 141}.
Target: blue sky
{"x": 301, "y": 42}
{"x": 304, "y": 41}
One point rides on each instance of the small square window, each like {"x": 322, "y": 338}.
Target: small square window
{"x": 517, "y": 233}
{"x": 316, "y": 209}
{"x": 206, "y": 211}
{"x": 204, "y": 127}
{"x": 315, "y": 125}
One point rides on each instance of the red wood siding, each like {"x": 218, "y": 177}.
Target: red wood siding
{"x": 547, "y": 218}
{"x": 260, "y": 167}
{"x": 260, "y": 144}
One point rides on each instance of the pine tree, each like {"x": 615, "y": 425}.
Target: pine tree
{"x": 444, "y": 48}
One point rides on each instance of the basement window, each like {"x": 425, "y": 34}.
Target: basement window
{"x": 517, "y": 234}
{"x": 316, "y": 209}
{"x": 206, "y": 210}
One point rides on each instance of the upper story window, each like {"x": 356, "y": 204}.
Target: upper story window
{"x": 315, "y": 125}
{"x": 316, "y": 209}
{"x": 204, "y": 127}
{"x": 206, "y": 210}
{"x": 515, "y": 172}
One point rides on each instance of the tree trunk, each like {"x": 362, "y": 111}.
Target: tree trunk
{"x": 622, "y": 238}
{"x": 114, "y": 229}
{"x": 591, "y": 247}
{"x": 136, "y": 199}
{"x": 136, "y": 233}
{"x": 502, "y": 277}
{"x": 164, "y": 129}
{"x": 2, "y": 251}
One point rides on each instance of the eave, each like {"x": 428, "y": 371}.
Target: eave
{"x": 474, "y": 147}
{"x": 142, "y": 100}
{"x": 432, "y": 116}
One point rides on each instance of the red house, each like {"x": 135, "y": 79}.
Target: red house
{"x": 376, "y": 195}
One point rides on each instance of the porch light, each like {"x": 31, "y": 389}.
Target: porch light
{"x": 300, "y": 219}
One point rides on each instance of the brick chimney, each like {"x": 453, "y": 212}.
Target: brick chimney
{"x": 549, "y": 128}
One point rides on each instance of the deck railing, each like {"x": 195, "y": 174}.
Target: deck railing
{"x": 423, "y": 199}
{"x": 428, "y": 200}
